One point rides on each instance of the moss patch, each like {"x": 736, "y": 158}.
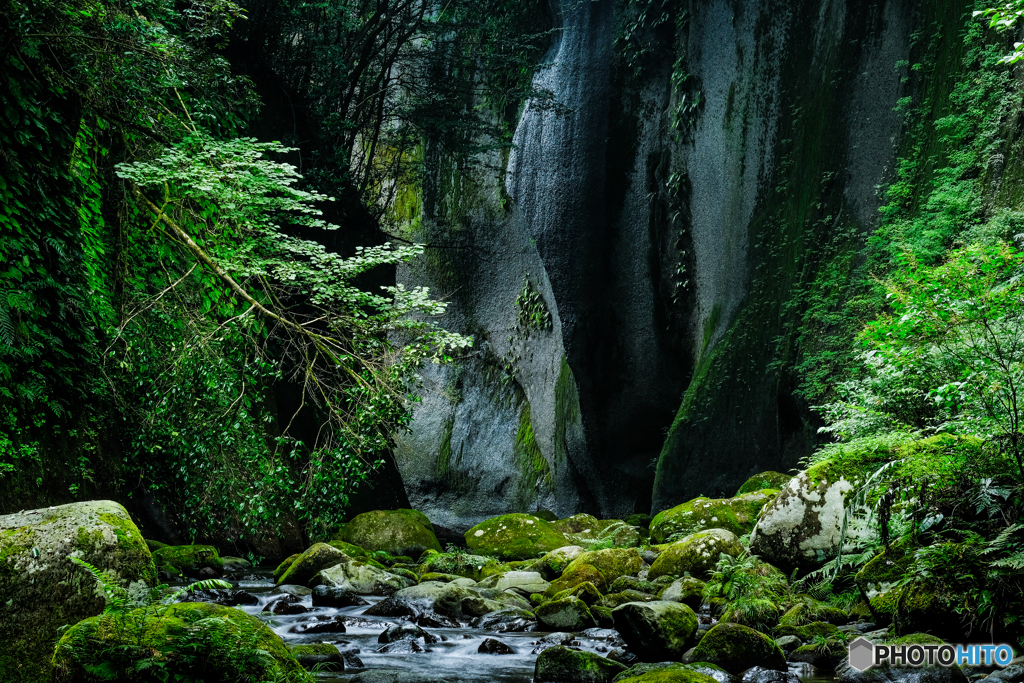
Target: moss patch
{"x": 515, "y": 536}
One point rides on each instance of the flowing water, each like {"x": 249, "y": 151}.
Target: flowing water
{"x": 454, "y": 658}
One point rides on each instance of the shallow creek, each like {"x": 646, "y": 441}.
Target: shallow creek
{"x": 454, "y": 657}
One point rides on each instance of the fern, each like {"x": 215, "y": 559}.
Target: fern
{"x": 204, "y": 585}
{"x": 116, "y": 596}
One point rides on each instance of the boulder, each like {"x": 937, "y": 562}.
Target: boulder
{"x": 567, "y": 614}
{"x": 633, "y": 583}
{"x": 396, "y": 532}
{"x": 42, "y": 590}
{"x": 308, "y": 564}
{"x": 360, "y": 578}
{"x": 579, "y": 524}
{"x": 283, "y": 567}
{"x": 585, "y": 591}
{"x": 613, "y": 600}
{"x": 687, "y": 590}
{"x": 508, "y": 620}
{"x": 181, "y": 639}
{"x": 738, "y": 515}
{"x": 406, "y": 631}
{"x": 788, "y": 643}
{"x": 821, "y": 656}
{"x": 236, "y": 565}
{"x": 669, "y": 672}
{"x": 553, "y": 564}
{"x": 922, "y": 606}
{"x": 802, "y": 526}
{"x": 574, "y": 576}
{"x": 759, "y": 674}
{"x": 737, "y": 648}
{"x": 444, "y": 605}
{"x": 331, "y": 596}
{"x": 696, "y": 554}
{"x": 807, "y": 632}
{"x": 349, "y": 549}
{"x": 465, "y": 565}
{"x": 322, "y": 656}
{"x": 222, "y": 596}
{"x": 559, "y": 664}
{"x": 490, "y": 646}
{"x": 529, "y": 582}
{"x": 195, "y": 561}
{"x": 765, "y": 480}
{"x": 611, "y": 562}
{"x": 515, "y": 536}
{"x": 639, "y": 519}
{"x": 656, "y": 631}
{"x": 757, "y": 613}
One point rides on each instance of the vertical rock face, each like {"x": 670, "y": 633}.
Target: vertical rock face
{"x": 639, "y": 244}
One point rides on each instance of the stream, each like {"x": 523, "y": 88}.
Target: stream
{"x": 454, "y": 657}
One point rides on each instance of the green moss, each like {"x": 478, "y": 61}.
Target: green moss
{"x": 194, "y": 642}
{"x": 586, "y": 591}
{"x": 570, "y": 578}
{"x": 696, "y": 554}
{"x": 283, "y": 567}
{"x": 656, "y": 673}
{"x": 736, "y": 648}
{"x": 810, "y": 611}
{"x": 535, "y": 473}
{"x": 567, "y": 409}
{"x": 188, "y": 558}
{"x": 656, "y": 631}
{"x": 613, "y": 563}
{"x": 514, "y": 536}
{"x": 396, "y": 532}
{"x": 562, "y": 664}
{"x": 738, "y": 515}
{"x": 764, "y": 480}
{"x": 565, "y": 614}
{"x": 348, "y": 548}
{"x": 313, "y": 560}
{"x": 807, "y": 631}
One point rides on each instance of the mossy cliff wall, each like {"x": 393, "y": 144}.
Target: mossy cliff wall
{"x": 696, "y": 218}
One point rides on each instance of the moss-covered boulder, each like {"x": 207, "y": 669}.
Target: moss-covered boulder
{"x": 923, "y": 606}
{"x": 561, "y": 665}
{"x": 283, "y": 567}
{"x": 553, "y": 564}
{"x": 634, "y": 583}
{"x": 696, "y": 554}
{"x": 585, "y": 591}
{"x": 821, "y": 655}
{"x": 317, "y": 557}
{"x": 736, "y": 648}
{"x": 639, "y": 519}
{"x": 322, "y": 656}
{"x": 396, "y": 532}
{"x": 546, "y": 515}
{"x": 579, "y": 524}
{"x": 189, "y": 642}
{"x": 196, "y": 561}
{"x": 515, "y": 536}
{"x": 613, "y": 563}
{"x": 574, "y": 576}
{"x": 738, "y": 515}
{"x": 567, "y": 614}
{"x": 154, "y": 545}
{"x": 528, "y": 582}
{"x": 765, "y": 480}
{"x": 350, "y": 549}
{"x": 41, "y": 590}
{"x": 656, "y": 631}
{"x": 361, "y": 578}
{"x": 687, "y": 590}
{"x": 613, "y": 600}
{"x": 669, "y": 673}
{"x": 476, "y": 567}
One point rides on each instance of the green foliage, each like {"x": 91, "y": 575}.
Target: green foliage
{"x": 1005, "y": 18}
{"x": 531, "y": 311}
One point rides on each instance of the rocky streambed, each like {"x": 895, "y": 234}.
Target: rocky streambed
{"x": 352, "y": 643}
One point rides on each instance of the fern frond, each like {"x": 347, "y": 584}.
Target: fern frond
{"x": 116, "y": 596}
{"x": 999, "y": 542}
{"x": 204, "y": 585}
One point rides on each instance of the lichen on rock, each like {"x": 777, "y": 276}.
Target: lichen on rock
{"x": 696, "y": 554}
{"x": 738, "y": 515}
{"x": 515, "y": 536}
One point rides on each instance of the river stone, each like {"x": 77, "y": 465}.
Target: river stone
{"x": 196, "y": 561}
{"x": 759, "y": 674}
{"x": 568, "y": 614}
{"x": 283, "y": 567}
{"x": 322, "y": 655}
{"x": 585, "y": 591}
{"x": 222, "y": 596}
{"x": 331, "y": 596}
{"x": 738, "y": 515}
{"x": 396, "y": 532}
{"x": 765, "y": 480}
{"x": 308, "y": 564}
{"x": 696, "y": 554}
{"x": 788, "y": 643}
{"x": 435, "y": 604}
{"x": 42, "y": 590}
{"x": 633, "y": 583}
{"x": 574, "y": 576}
{"x": 612, "y": 562}
{"x": 657, "y": 630}
{"x": 515, "y": 536}
{"x": 801, "y": 527}
{"x": 559, "y": 664}
{"x": 553, "y": 564}
{"x": 613, "y": 600}
{"x": 405, "y": 632}
{"x": 530, "y": 582}
{"x": 360, "y": 578}
{"x": 736, "y": 648}
{"x": 291, "y": 589}
{"x": 508, "y": 620}
{"x": 201, "y": 632}
{"x": 236, "y": 565}
{"x": 490, "y": 646}
{"x": 579, "y": 524}
{"x": 687, "y": 590}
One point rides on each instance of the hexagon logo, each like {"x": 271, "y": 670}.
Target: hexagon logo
{"x": 862, "y": 654}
